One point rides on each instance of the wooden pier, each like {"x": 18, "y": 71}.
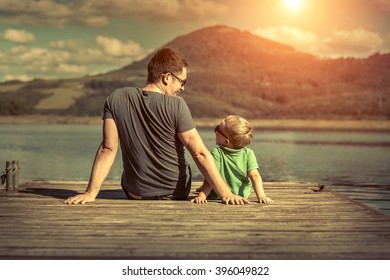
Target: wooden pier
{"x": 304, "y": 223}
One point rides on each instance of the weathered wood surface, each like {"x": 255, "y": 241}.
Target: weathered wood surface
{"x": 302, "y": 224}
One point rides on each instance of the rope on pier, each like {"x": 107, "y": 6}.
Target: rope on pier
{"x": 10, "y": 175}
{"x": 4, "y": 175}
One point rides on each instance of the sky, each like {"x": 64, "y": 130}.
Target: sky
{"x": 51, "y": 39}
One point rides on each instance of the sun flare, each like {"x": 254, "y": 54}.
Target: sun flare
{"x": 293, "y": 4}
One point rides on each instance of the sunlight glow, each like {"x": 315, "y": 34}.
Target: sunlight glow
{"x": 293, "y": 4}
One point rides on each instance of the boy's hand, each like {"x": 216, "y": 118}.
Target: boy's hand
{"x": 234, "y": 199}
{"x": 265, "y": 200}
{"x": 200, "y": 199}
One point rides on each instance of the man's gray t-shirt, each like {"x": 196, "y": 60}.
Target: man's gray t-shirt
{"x": 153, "y": 156}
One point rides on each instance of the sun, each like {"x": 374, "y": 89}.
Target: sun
{"x": 293, "y": 4}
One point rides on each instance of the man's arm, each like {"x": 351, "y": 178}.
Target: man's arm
{"x": 206, "y": 164}
{"x": 104, "y": 159}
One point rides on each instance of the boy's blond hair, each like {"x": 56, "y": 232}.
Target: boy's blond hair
{"x": 239, "y": 130}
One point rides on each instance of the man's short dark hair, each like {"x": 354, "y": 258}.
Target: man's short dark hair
{"x": 165, "y": 60}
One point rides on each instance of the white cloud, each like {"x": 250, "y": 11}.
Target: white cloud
{"x": 96, "y": 13}
{"x": 23, "y": 78}
{"x": 59, "y": 44}
{"x": 116, "y": 48}
{"x": 159, "y": 10}
{"x": 355, "y": 42}
{"x": 52, "y": 13}
{"x": 41, "y": 56}
{"x": 33, "y": 54}
{"x": 18, "y": 50}
{"x": 18, "y": 36}
{"x": 95, "y": 21}
{"x": 386, "y": 43}
{"x": 202, "y": 8}
{"x": 69, "y": 44}
{"x": 67, "y": 68}
{"x": 67, "y": 58}
{"x": 301, "y": 40}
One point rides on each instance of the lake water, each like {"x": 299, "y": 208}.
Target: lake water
{"x": 355, "y": 163}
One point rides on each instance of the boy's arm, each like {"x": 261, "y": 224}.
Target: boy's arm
{"x": 204, "y": 192}
{"x": 206, "y": 164}
{"x": 257, "y": 183}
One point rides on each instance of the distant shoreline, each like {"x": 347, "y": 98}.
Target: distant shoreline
{"x": 267, "y": 124}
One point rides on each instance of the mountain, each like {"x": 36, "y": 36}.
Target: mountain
{"x": 230, "y": 71}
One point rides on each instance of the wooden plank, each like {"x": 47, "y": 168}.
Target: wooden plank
{"x": 303, "y": 224}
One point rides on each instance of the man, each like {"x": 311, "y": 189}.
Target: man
{"x": 153, "y": 125}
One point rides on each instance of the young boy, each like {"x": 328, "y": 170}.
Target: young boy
{"x": 236, "y": 162}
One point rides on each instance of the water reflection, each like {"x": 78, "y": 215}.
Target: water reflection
{"x": 354, "y": 163}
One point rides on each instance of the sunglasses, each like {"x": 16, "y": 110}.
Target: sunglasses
{"x": 216, "y": 129}
{"x": 182, "y": 82}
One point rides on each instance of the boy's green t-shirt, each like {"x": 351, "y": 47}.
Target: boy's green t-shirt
{"x": 234, "y": 165}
